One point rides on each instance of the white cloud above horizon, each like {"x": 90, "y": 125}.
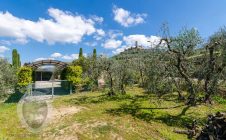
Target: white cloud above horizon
{"x": 3, "y": 49}
{"x": 43, "y": 58}
{"x": 91, "y": 44}
{"x": 61, "y": 27}
{"x": 97, "y": 19}
{"x": 56, "y": 55}
{"x": 142, "y": 40}
{"x": 115, "y": 34}
{"x": 119, "y": 50}
{"x": 112, "y": 44}
{"x": 70, "y": 57}
{"x": 146, "y": 42}
{"x": 126, "y": 18}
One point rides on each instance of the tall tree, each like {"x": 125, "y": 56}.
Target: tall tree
{"x": 80, "y": 53}
{"x": 19, "y": 62}
{"x": 15, "y": 58}
{"x": 94, "y": 54}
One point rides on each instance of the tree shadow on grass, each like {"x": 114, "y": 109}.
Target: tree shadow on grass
{"x": 149, "y": 114}
{"x": 105, "y": 98}
{"x": 14, "y": 98}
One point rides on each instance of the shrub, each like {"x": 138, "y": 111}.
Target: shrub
{"x": 24, "y": 76}
{"x": 74, "y": 74}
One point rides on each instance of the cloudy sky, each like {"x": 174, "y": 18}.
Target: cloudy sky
{"x": 56, "y": 29}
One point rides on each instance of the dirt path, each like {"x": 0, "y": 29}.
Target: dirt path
{"x": 56, "y": 116}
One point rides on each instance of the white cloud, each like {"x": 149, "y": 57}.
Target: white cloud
{"x": 5, "y": 42}
{"x": 97, "y": 37}
{"x": 97, "y": 19}
{"x": 42, "y": 58}
{"x": 145, "y": 41}
{"x": 66, "y": 57}
{"x": 56, "y": 55}
{"x": 92, "y": 44}
{"x": 100, "y": 32}
{"x": 115, "y": 33}
{"x": 70, "y": 57}
{"x": 119, "y": 50}
{"x": 126, "y": 18}
{"x": 62, "y": 27}
{"x": 3, "y": 49}
{"x": 112, "y": 44}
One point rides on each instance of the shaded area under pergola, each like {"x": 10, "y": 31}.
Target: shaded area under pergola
{"x": 43, "y": 71}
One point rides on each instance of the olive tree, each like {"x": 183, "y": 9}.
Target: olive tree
{"x": 180, "y": 49}
{"x": 123, "y": 74}
{"x": 215, "y": 63}
{"x": 7, "y": 78}
{"x": 108, "y": 69}
{"x": 157, "y": 80}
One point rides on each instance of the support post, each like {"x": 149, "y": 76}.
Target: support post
{"x": 70, "y": 88}
{"x": 31, "y": 89}
{"x": 52, "y": 89}
{"x": 41, "y": 76}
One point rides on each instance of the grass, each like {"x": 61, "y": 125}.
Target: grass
{"x": 10, "y": 127}
{"x": 133, "y": 116}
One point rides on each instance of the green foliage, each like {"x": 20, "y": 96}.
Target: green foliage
{"x": 19, "y": 62}
{"x": 82, "y": 62}
{"x": 16, "y": 59}
{"x": 94, "y": 54}
{"x": 90, "y": 70}
{"x": 7, "y": 78}
{"x": 24, "y": 76}
{"x": 88, "y": 84}
{"x": 63, "y": 74}
{"x": 219, "y": 99}
{"x": 123, "y": 74}
{"x": 80, "y": 53}
{"x": 74, "y": 74}
{"x": 157, "y": 80}
{"x": 107, "y": 66}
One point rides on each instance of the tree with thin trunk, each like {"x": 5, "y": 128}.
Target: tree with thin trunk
{"x": 180, "y": 48}
{"x": 215, "y": 64}
{"x": 107, "y": 65}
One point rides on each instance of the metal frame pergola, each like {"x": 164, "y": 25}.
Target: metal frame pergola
{"x": 35, "y": 65}
{"x": 56, "y": 63}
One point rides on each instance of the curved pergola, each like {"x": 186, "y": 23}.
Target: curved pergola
{"x": 56, "y": 63}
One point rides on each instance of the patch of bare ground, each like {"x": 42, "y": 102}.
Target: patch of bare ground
{"x": 56, "y": 114}
{"x": 55, "y": 117}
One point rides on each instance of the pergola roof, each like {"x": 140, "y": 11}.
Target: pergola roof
{"x": 56, "y": 63}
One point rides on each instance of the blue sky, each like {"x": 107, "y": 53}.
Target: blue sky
{"x": 56, "y": 29}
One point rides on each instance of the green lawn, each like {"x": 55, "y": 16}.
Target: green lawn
{"x": 136, "y": 115}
